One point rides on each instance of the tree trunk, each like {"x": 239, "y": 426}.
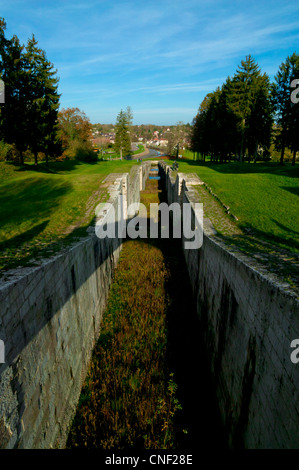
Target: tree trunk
{"x": 282, "y": 153}
{"x": 294, "y": 157}
{"x": 242, "y": 146}
{"x": 255, "y": 153}
{"x": 241, "y": 150}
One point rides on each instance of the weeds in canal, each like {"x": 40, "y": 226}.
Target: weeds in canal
{"x": 164, "y": 417}
{"x": 129, "y": 396}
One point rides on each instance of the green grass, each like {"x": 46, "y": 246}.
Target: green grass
{"x": 40, "y": 208}
{"x": 116, "y": 155}
{"x": 188, "y": 154}
{"x": 263, "y": 196}
{"x": 141, "y": 149}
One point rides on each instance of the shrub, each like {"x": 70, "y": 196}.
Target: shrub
{"x": 6, "y": 151}
{"x": 80, "y": 150}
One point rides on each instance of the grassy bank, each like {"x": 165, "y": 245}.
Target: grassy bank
{"x": 43, "y": 209}
{"x": 264, "y": 196}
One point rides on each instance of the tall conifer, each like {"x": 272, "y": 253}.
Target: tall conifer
{"x": 13, "y": 122}
{"x": 286, "y": 112}
{"x": 43, "y": 100}
{"x": 122, "y": 134}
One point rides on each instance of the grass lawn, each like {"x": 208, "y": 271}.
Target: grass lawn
{"x": 114, "y": 155}
{"x": 42, "y": 211}
{"x": 263, "y": 196}
{"x": 40, "y": 208}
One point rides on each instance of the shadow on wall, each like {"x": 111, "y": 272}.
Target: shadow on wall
{"x": 74, "y": 277}
{"x": 45, "y": 351}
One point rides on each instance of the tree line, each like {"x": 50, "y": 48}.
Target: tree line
{"x": 249, "y": 113}
{"x": 30, "y": 121}
{"x": 28, "y": 118}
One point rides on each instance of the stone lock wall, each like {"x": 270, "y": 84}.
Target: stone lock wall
{"x": 249, "y": 320}
{"x": 50, "y": 318}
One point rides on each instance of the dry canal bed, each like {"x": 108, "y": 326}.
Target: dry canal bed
{"x": 148, "y": 385}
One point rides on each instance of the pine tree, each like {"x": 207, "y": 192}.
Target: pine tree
{"x": 242, "y": 99}
{"x": 129, "y": 114}
{"x": 43, "y": 102}
{"x": 122, "y": 134}
{"x": 294, "y": 129}
{"x": 13, "y": 123}
{"x": 261, "y": 118}
{"x": 286, "y": 113}
{"x": 29, "y": 117}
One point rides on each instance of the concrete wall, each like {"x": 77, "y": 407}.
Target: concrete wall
{"x": 50, "y": 318}
{"x": 249, "y": 320}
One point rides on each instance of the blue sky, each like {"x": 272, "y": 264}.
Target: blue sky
{"x": 161, "y": 57}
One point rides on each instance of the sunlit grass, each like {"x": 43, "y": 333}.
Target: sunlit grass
{"x": 263, "y": 196}
{"x": 40, "y": 208}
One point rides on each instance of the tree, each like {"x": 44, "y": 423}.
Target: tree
{"x": 214, "y": 124}
{"x": 236, "y": 117}
{"x": 13, "y": 117}
{"x": 214, "y": 128}
{"x": 286, "y": 112}
{"x": 43, "y": 101}
{"x": 29, "y": 117}
{"x": 260, "y": 122}
{"x": 75, "y": 134}
{"x": 199, "y": 134}
{"x": 122, "y": 133}
{"x": 247, "y": 98}
{"x": 73, "y": 124}
{"x": 294, "y": 129}
{"x": 176, "y": 138}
